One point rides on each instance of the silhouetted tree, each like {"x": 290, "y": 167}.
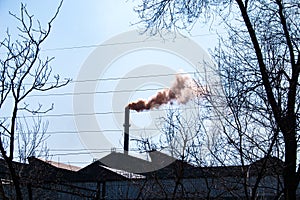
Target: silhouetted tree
{"x": 31, "y": 138}
{"x": 22, "y": 72}
{"x": 259, "y": 61}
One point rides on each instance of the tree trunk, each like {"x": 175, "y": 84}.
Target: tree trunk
{"x": 29, "y": 190}
{"x": 289, "y": 173}
{"x": 15, "y": 179}
{"x": 287, "y": 124}
{"x": 2, "y": 193}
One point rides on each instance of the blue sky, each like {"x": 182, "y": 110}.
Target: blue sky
{"x": 79, "y": 27}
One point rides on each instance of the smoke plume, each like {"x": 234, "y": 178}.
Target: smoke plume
{"x": 182, "y": 90}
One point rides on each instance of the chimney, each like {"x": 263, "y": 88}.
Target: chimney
{"x": 126, "y": 130}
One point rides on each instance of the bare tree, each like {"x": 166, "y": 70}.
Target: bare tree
{"x": 23, "y": 71}
{"x": 184, "y": 136}
{"x": 262, "y": 48}
{"x": 31, "y": 138}
{"x": 224, "y": 164}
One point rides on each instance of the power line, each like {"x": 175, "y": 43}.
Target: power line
{"x": 98, "y": 149}
{"x": 125, "y": 78}
{"x": 78, "y": 153}
{"x": 65, "y": 115}
{"x": 106, "y": 113}
{"x": 133, "y": 77}
{"x": 96, "y": 131}
{"x": 101, "y": 92}
{"x": 97, "y": 92}
{"x": 108, "y": 91}
{"x": 94, "y": 151}
{"x": 83, "y": 153}
{"x": 125, "y": 42}
{"x": 94, "y": 93}
{"x": 61, "y": 132}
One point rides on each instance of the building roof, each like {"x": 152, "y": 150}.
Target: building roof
{"x": 45, "y": 171}
{"x": 126, "y": 162}
{"x": 133, "y": 164}
{"x": 97, "y": 172}
{"x": 179, "y": 168}
{"x": 119, "y": 166}
{"x": 62, "y": 165}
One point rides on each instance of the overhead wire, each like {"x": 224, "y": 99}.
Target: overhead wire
{"x": 96, "y": 151}
{"x": 97, "y": 92}
{"x": 125, "y": 43}
{"x": 121, "y": 43}
{"x": 96, "y": 131}
{"x": 104, "y": 113}
{"x": 125, "y": 78}
{"x": 103, "y": 131}
{"x": 109, "y": 91}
